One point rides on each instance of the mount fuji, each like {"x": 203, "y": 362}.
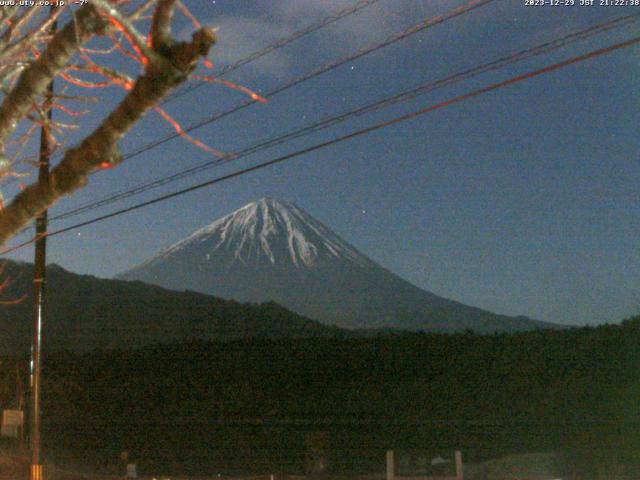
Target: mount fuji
{"x": 272, "y": 250}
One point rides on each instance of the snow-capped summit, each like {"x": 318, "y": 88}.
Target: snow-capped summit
{"x": 270, "y": 250}
{"x": 270, "y": 231}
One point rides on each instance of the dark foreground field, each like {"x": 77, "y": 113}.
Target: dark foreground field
{"x": 260, "y": 406}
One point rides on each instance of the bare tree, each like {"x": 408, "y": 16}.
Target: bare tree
{"x": 32, "y": 55}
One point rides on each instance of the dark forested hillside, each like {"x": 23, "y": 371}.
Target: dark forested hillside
{"x": 250, "y": 404}
{"x": 86, "y": 313}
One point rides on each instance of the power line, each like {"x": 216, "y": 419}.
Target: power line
{"x": 364, "y": 131}
{"x": 279, "y": 44}
{"x": 338, "y": 15}
{"x": 383, "y": 103}
{"x": 396, "y": 37}
{"x": 420, "y": 26}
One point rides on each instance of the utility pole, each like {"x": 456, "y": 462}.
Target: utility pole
{"x": 39, "y": 271}
{"x": 20, "y": 405}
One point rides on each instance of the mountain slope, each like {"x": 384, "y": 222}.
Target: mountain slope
{"x": 85, "y": 312}
{"x": 273, "y": 250}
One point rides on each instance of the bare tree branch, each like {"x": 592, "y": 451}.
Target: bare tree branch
{"x": 123, "y": 24}
{"x": 41, "y": 33}
{"x": 161, "y": 24}
{"x": 34, "y": 80}
{"x": 164, "y": 72}
{"x": 138, "y": 12}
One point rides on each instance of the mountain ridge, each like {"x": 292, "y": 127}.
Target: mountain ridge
{"x": 274, "y": 250}
{"x": 273, "y": 215}
{"x": 84, "y": 313}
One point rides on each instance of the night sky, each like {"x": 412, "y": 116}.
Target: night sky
{"x": 522, "y": 201}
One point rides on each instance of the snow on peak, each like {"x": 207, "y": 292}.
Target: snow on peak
{"x": 272, "y": 231}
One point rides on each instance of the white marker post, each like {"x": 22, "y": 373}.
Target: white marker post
{"x": 391, "y": 467}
